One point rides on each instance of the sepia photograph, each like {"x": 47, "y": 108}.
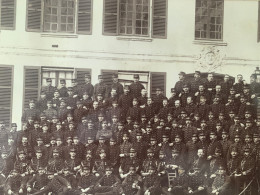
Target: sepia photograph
{"x": 129, "y": 97}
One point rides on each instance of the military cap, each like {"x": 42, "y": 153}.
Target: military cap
{"x": 194, "y": 135}
{"x": 56, "y": 90}
{"x": 234, "y": 149}
{"x": 102, "y": 151}
{"x": 120, "y": 124}
{"x": 201, "y": 133}
{"x": 58, "y": 138}
{"x": 70, "y": 89}
{"x": 90, "y": 121}
{"x": 101, "y": 138}
{"x": 10, "y": 136}
{"x": 248, "y": 121}
{"x": 177, "y": 136}
{"x": 90, "y": 138}
{"x": 182, "y": 73}
{"x": 125, "y": 134}
{"x": 86, "y": 93}
{"x": 45, "y": 124}
{"x": 161, "y": 152}
{"x": 185, "y": 86}
{"x": 50, "y": 173}
{"x": 136, "y": 76}
{"x": 69, "y": 115}
{"x": 197, "y": 114}
{"x": 183, "y": 112}
{"x": 221, "y": 114}
{"x": 197, "y": 72}
{"x": 84, "y": 118}
{"x": 255, "y": 135}
{"x": 248, "y": 136}
{"x": 13, "y": 125}
{"x": 69, "y": 137}
{"x": 43, "y": 93}
{"x": 38, "y": 151}
{"x": 39, "y": 139}
{"x": 75, "y": 137}
{"x": 104, "y": 121}
{"x": 31, "y": 101}
{"x": 36, "y": 122}
{"x": 132, "y": 150}
{"x": 114, "y": 116}
{"x": 175, "y": 151}
{"x": 74, "y": 80}
{"x": 58, "y": 123}
{"x": 232, "y": 89}
{"x": 188, "y": 119}
{"x": 237, "y": 136}
{"x": 173, "y": 90}
{"x": 63, "y": 100}
{"x": 100, "y": 114}
{"x": 203, "y": 121}
{"x": 108, "y": 168}
{"x": 212, "y": 133}
{"x": 40, "y": 168}
{"x": 72, "y": 150}
{"x": 247, "y": 112}
{"x": 48, "y": 80}
{"x": 153, "y": 138}
{"x": 139, "y": 133}
{"x": 55, "y": 150}
{"x": 136, "y": 123}
{"x": 224, "y": 132}
{"x": 62, "y": 81}
{"x": 100, "y": 77}
{"x": 52, "y": 138}
{"x": 54, "y": 117}
{"x": 148, "y": 126}
{"x": 221, "y": 167}
{"x": 169, "y": 114}
{"x": 112, "y": 139}
{"x": 246, "y": 87}
{"x": 165, "y": 136}
{"x": 71, "y": 122}
{"x": 114, "y": 102}
{"x": 143, "y": 116}
{"x": 135, "y": 99}
{"x": 114, "y": 75}
{"x": 21, "y": 152}
{"x": 246, "y": 149}
{"x": 158, "y": 89}
{"x": 86, "y": 168}
{"x": 79, "y": 102}
{"x": 162, "y": 120}
{"x": 87, "y": 76}
{"x": 100, "y": 94}
{"x": 237, "y": 117}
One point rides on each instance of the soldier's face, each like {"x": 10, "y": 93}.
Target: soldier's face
{"x": 49, "y": 105}
{"x": 174, "y": 155}
{"x": 201, "y": 88}
{"x": 36, "y": 125}
{"x": 231, "y": 115}
{"x": 161, "y": 156}
{"x": 101, "y": 141}
{"x": 202, "y": 138}
{"x": 136, "y": 80}
{"x": 59, "y": 142}
{"x": 200, "y": 153}
{"x": 217, "y": 154}
{"x": 218, "y": 88}
{"x": 149, "y": 101}
{"x": 138, "y": 138}
{"x": 10, "y": 141}
{"x": 256, "y": 140}
{"x": 112, "y": 143}
{"x": 246, "y": 154}
{"x": 56, "y": 154}
{"x": 21, "y": 156}
{"x": 226, "y": 78}
{"x": 24, "y": 141}
{"x": 38, "y": 155}
{"x": 71, "y": 126}
{"x": 212, "y": 137}
{"x": 115, "y": 105}
{"x": 210, "y": 77}
{"x": 196, "y": 75}
{"x": 237, "y": 139}
{"x": 73, "y": 154}
{"x": 45, "y": 128}
{"x": 90, "y": 125}
{"x": 189, "y": 100}
{"x": 41, "y": 171}
{"x": 232, "y": 92}
{"x": 125, "y": 138}
{"x": 100, "y": 80}
{"x": 56, "y": 94}
{"x": 108, "y": 172}
{"x": 39, "y": 142}
{"x": 143, "y": 92}
{"x": 4, "y": 155}
{"x": 50, "y": 177}
{"x": 75, "y": 140}
{"x": 165, "y": 139}
{"x": 69, "y": 141}
{"x": 85, "y": 172}
{"x": 87, "y": 80}
{"x": 58, "y": 126}
{"x": 185, "y": 89}
{"x": 158, "y": 92}
{"x": 70, "y": 93}
{"x": 104, "y": 125}
{"x": 247, "y": 115}
{"x": 120, "y": 127}
{"x": 165, "y": 103}
{"x": 95, "y": 105}
{"x": 224, "y": 136}
{"x": 102, "y": 155}
{"x": 126, "y": 91}
{"x": 132, "y": 154}
{"x": 143, "y": 120}
{"x": 53, "y": 142}
{"x": 100, "y": 118}
{"x": 134, "y": 102}
{"x": 211, "y": 116}
{"x": 239, "y": 77}
{"x": 153, "y": 142}
{"x": 99, "y": 98}
{"x": 90, "y": 141}
{"x": 177, "y": 103}
{"x": 194, "y": 139}
{"x": 115, "y": 79}
{"x": 174, "y": 124}
{"x": 177, "y": 139}
{"x": 203, "y": 125}
{"x": 181, "y": 76}
{"x": 248, "y": 139}
{"x": 88, "y": 156}
{"x": 233, "y": 153}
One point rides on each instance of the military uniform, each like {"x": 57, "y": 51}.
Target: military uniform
{"x": 100, "y": 88}
{"x": 136, "y": 88}
{"x": 49, "y": 90}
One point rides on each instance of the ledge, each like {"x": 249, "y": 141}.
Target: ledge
{"x": 205, "y": 42}
{"x": 54, "y": 35}
{"x": 143, "y": 39}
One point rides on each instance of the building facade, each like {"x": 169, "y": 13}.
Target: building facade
{"x": 155, "y": 38}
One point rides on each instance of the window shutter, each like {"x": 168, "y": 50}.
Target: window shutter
{"x": 159, "y": 23}
{"x": 80, "y": 75}
{"x": 6, "y": 79}
{"x": 84, "y": 16}
{"x": 110, "y": 18}
{"x": 8, "y": 14}
{"x": 32, "y": 84}
{"x": 258, "y": 38}
{"x": 34, "y": 15}
{"x": 158, "y": 79}
{"x": 107, "y": 75}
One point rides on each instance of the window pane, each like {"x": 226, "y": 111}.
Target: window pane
{"x": 62, "y": 75}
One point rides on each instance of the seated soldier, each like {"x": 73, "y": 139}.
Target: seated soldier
{"x": 149, "y": 161}
{"x": 100, "y": 164}
{"x": 197, "y": 182}
{"x": 73, "y": 161}
{"x": 15, "y": 183}
{"x": 86, "y": 181}
{"x": 56, "y": 163}
{"x": 151, "y": 182}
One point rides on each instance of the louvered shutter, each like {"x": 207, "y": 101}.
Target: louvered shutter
{"x": 107, "y": 75}
{"x": 84, "y": 17}
{"x": 159, "y": 27}
{"x": 80, "y": 75}
{"x": 8, "y": 14}
{"x": 34, "y": 15}
{"x": 157, "y": 80}
{"x": 110, "y": 18}
{"x": 258, "y": 21}
{"x": 6, "y": 78}
{"x": 32, "y": 84}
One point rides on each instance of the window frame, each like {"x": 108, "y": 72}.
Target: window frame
{"x": 209, "y": 39}
{"x": 14, "y": 26}
{"x": 150, "y": 11}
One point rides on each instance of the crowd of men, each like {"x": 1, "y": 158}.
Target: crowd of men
{"x": 101, "y": 139}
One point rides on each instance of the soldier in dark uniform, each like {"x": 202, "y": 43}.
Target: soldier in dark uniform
{"x": 226, "y": 84}
{"x": 49, "y": 89}
{"x": 50, "y": 112}
{"x": 125, "y": 102}
{"x": 76, "y": 88}
{"x": 79, "y": 112}
{"x": 132, "y": 183}
{"x": 100, "y": 164}
{"x": 86, "y": 180}
{"x": 149, "y": 109}
{"x": 136, "y": 87}
{"x": 56, "y": 100}
{"x": 116, "y": 85}
{"x": 179, "y": 84}
{"x": 15, "y": 183}
{"x": 164, "y": 110}
{"x": 63, "y": 89}
{"x": 202, "y": 92}
{"x": 184, "y": 94}
{"x": 71, "y": 100}
{"x": 143, "y": 99}
{"x": 56, "y": 163}
{"x": 30, "y": 112}
{"x": 87, "y": 87}
{"x": 203, "y": 108}
{"x": 239, "y": 84}
{"x": 101, "y": 87}
{"x": 173, "y": 97}
{"x": 196, "y": 82}
{"x": 148, "y": 162}
{"x": 3, "y": 134}
{"x": 42, "y": 102}
{"x": 197, "y": 182}
{"x": 6, "y": 163}
{"x": 135, "y": 111}
{"x": 151, "y": 182}
{"x": 73, "y": 161}
{"x": 158, "y": 99}
{"x": 113, "y": 96}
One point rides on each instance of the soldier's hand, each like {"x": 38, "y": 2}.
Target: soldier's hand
{"x": 29, "y": 189}
{"x": 169, "y": 189}
{"x": 248, "y": 103}
{"x": 20, "y": 191}
{"x": 23, "y": 175}
{"x": 209, "y": 158}
{"x": 180, "y": 94}
{"x": 190, "y": 191}
{"x": 121, "y": 155}
{"x": 69, "y": 187}
{"x": 160, "y": 144}
{"x": 97, "y": 174}
{"x": 197, "y": 93}
{"x": 237, "y": 95}
{"x": 10, "y": 192}
{"x": 74, "y": 96}
{"x": 200, "y": 188}
{"x": 213, "y": 175}
{"x": 253, "y": 96}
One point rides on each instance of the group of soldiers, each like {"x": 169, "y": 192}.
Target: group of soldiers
{"x": 101, "y": 139}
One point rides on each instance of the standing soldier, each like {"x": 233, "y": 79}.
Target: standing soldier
{"x": 135, "y": 111}
{"x": 3, "y": 134}
{"x": 50, "y": 112}
{"x": 49, "y": 89}
{"x": 136, "y": 87}
{"x": 71, "y": 100}
{"x": 116, "y": 85}
{"x": 125, "y": 102}
{"x": 87, "y": 87}
{"x": 76, "y": 88}
{"x": 185, "y": 93}
{"x": 63, "y": 89}
{"x": 158, "y": 99}
{"x": 42, "y": 102}
{"x": 239, "y": 84}
{"x": 100, "y": 87}
{"x": 196, "y": 82}
{"x": 179, "y": 84}
{"x": 226, "y": 84}
{"x": 30, "y": 112}
{"x": 173, "y": 97}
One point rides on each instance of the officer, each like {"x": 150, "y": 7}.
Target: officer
{"x": 87, "y": 87}
{"x": 100, "y": 87}
{"x": 49, "y": 89}
{"x": 136, "y": 87}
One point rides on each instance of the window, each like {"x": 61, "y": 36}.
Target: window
{"x": 7, "y": 14}
{"x": 209, "y": 19}
{"x": 59, "y": 15}
{"x": 63, "y": 16}
{"x": 56, "y": 74}
{"x": 132, "y": 17}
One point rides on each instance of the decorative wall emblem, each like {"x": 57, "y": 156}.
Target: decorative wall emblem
{"x": 210, "y": 59}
